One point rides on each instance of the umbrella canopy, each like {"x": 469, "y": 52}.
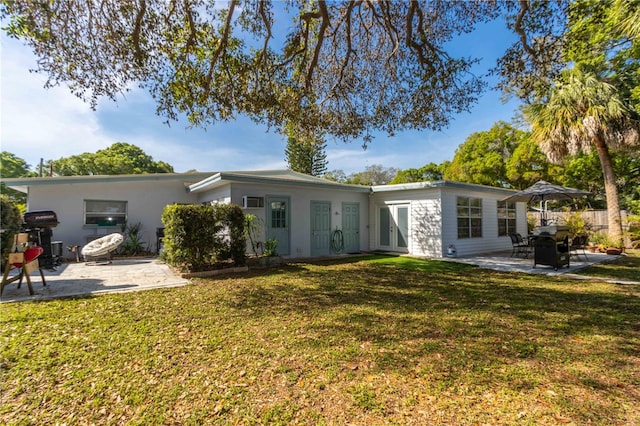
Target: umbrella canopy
{"x": 545, "y": 191}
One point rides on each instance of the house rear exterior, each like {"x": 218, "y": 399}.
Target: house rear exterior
{"x": 308, "y": 216}
{"x": 436, "y": 219}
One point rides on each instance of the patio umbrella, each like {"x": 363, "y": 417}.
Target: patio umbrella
{"x": 544, "y": 191}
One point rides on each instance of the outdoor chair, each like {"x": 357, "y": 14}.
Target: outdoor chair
{"x": 24, "y": 258}
{"x": 98, "y": 252}
{"x": 520, "y": 247}
{"x": 579, "y": 242}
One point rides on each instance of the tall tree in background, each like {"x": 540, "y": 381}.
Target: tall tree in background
{"x": 375, "y": 174}
{"x": 427, "y": 173}
{"x": 119, "y": 159}
{"x": 336, "y": 175}
{"x": 528, "y": 164}
{"x": 577, "y": 64}
{"x": 482, "y": 158}
{"x": 583, "y": 112}
{"x": 306, "y": 155}
{"x": 12, "y": 166}
{"x": 585, "y": 172}
{"x": 346, "y": 68}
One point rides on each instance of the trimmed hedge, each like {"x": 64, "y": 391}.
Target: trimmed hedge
{"x": 202, "y": 237}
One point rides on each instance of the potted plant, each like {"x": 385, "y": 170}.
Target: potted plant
{"x": 606, "y": 244}
{"x": 269, "y": 255}
{"x": 596, "y": 241}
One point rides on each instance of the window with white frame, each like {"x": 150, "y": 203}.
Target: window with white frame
{"x": 469, "y": 217}
{"x": 506, "y": 218}
{"x": 105, "y": 212}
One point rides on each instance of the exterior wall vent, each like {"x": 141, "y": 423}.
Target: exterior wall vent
{"x": 252, "y": 202}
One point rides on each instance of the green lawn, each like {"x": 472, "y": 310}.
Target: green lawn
{"x": 377, "y": 340}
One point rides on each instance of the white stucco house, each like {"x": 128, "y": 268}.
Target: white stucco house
{"x": 300, "y": 211}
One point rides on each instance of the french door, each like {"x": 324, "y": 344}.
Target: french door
{"x": 394, "y": 227}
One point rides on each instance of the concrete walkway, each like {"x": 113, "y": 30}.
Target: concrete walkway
{"x": 81, "y": 279}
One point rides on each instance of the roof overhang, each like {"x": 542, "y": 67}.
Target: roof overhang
{"x": 273, "y": 177}
{"x": 441, "y": 184}
{"x": 23, "y": 184}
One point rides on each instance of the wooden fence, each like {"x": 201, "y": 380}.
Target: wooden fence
{"x": 597, "y": 219}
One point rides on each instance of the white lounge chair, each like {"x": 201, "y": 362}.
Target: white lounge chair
{"x": 98, "y": 252}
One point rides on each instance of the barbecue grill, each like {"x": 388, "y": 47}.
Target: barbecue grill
{"x": 38, "y": 225}
{"x": 551, "y": 246}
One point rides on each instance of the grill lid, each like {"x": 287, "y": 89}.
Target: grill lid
{"x": 44, "y": 219}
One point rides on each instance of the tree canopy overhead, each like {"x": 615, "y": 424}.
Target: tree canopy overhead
{"x": 346, "y": 67}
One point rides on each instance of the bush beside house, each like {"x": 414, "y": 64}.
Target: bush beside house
{"x": 202, "y": 237}
{"x": 10, "y": 221}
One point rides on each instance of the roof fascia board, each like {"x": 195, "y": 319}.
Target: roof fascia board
{"x": 57, "y": 180}
{"x": 440, "y": 184}
{"x": 229, "y": 177}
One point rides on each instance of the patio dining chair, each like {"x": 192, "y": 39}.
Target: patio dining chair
{"x": 519, "y": 246}
{"x": 579, "y": 242}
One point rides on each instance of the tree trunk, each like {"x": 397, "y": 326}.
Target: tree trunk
{"x": 611, "y": 190}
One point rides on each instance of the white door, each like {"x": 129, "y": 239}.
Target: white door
{"x": 394, "y": 227}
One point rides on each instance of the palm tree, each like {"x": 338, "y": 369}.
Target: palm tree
{"x": 583, "y": 112}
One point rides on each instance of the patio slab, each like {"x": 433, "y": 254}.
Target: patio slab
{"x": 81, "y": 279}
{"x": 504, "y": 262}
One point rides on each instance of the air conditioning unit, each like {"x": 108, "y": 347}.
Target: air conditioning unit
{"x": 252, "y": 202}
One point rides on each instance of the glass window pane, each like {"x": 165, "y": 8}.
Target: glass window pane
{"x": 476, "y": 228}
{"x": 402, "y": 229}
{"x": 507, "y": 214}
{"x": 385, "y": 225}
{"x": 105, "y": 212}
{"x": 463, "y": 211}
{"x": 463, "y": 228}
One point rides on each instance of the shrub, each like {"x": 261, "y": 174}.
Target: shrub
{"x": 577, "y": 223}
{"x": 602, "y": 240}
{"x": 198, "y": 237}
{"x": 10, "y": 221}
{"x": 133, "y": 244}
{"x": 633, "y": 231}
{"x": 270, "y": 247}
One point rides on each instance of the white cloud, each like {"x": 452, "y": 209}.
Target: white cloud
{"x": 39, "y": 123}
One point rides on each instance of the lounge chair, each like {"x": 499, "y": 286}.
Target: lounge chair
{"x": 98, "y": 252}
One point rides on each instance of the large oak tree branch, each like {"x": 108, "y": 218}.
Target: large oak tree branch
{"x": 524, "y": 7}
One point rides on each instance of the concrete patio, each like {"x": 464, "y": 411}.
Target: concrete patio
{"x": 80, "y": 279}
{"x": 122, "y": 275}
{"x": 503, "y": 261}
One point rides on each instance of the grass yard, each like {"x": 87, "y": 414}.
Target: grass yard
{"x": 367, "y": 341}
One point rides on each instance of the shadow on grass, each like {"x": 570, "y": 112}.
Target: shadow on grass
{"x": 378, "y": 299}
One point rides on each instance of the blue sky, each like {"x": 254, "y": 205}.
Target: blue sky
{"x": 43, "y": 123}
